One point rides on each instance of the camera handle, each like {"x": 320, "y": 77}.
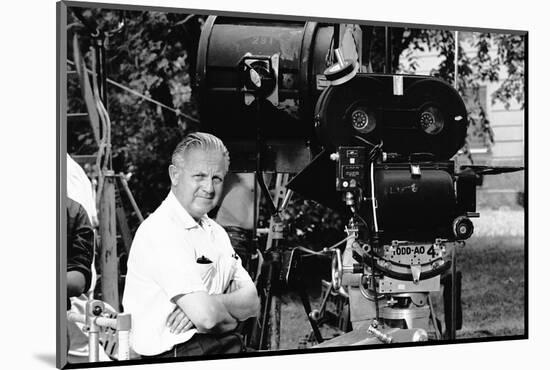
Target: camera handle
{"x": 344, "y": 69}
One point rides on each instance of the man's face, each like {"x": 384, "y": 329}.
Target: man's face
{"x": 197, "y": 183}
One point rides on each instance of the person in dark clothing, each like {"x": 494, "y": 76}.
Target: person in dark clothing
{"x": 80, "y": 247}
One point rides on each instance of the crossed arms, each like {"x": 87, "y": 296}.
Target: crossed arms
{"x": 216, "y": 313}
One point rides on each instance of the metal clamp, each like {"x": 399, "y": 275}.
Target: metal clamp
{"x": 94, "y": 319}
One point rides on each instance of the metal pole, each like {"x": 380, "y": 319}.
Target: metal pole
{"x": 336, "y": 36}
{"x": 275, "y": 323}
{"x": 434, "y": 320}
{"x": 93, "y": 344}
{"x": 130, "y": 196}
{"x": 94, "y": 321}
{"x": 97, "y": 70}
{"x": 452, "y": 333}
{"x": 93, "y": 309}
{"x": 266, "y": 311}
{"x": 124, "y": 324}
{"x": 102, "y": 71}
{"x": 456, "y": 60}
{"x": 307, "y": 307}
{"x": 387, "y": 38}
{"x": 257, "y": 171}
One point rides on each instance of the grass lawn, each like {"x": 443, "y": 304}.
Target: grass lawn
{"x": 493, "y": 287}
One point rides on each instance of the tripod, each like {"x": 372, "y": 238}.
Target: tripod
{"x": 265, "y": 334}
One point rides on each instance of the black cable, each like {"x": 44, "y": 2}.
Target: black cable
{"x": 364, "y": 140}
{"x": 375, "y": 152}
{"x": 361, "y": 219}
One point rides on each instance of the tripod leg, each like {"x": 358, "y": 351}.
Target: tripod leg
{"x": 130, "y": 197}
{"x": 453, "y": 296}
{"x": 434, "y": 319}
{"x": 266, "y": 308}
{"x": 275, "y": 323}
{"x": 448, "y": 292}
{"x": 307, "y": 307}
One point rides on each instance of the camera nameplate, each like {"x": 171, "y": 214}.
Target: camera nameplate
{"x": 412, "y": 254}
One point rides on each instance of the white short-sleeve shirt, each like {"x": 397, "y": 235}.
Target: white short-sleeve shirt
{"x": 163, "y": 264}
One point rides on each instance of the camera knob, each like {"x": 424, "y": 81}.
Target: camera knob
{"x": 463, "y": 227}
{"x": 97, "y": 310}
{"x": 315, "y": 315}
{"x": 335, "y": 157}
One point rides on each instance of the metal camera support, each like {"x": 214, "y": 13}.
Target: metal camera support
{"x": 271, "y": 309}
{"x": 399, "y": 297}
{"x": 94, "y": 321}
{"x": 389, "y": 281}
{"x": 352, "y": 276}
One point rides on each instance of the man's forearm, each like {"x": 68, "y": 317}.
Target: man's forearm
{"x": 242, "y": 303}
{"x": 224, "y": 322}
{"x": 206, "y": 313}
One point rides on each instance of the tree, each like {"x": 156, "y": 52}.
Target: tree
{"x": 154, "y": 55}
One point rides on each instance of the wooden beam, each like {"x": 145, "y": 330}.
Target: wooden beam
{"x": 107, "y": 231}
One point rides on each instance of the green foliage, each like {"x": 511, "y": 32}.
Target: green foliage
{"x": 151, "y": 55}
{"x": 511, "y": 53}
{"x": 312, "y": 224}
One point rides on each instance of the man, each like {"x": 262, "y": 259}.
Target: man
{"x": 185, "y": 287}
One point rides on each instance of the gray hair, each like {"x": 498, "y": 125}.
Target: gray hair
{"x": 199, "y": 140}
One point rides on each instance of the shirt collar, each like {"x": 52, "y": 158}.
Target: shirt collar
{"x": 187, "y": 220}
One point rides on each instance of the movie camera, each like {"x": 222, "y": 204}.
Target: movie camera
{"x": 286, "y": 96}
{"x": 389, "y": 141}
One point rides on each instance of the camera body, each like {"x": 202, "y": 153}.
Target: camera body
{"x": 391, "y": 140}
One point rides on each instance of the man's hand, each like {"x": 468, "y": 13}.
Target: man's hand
{"x": 76, "y": 283}
{"x": 178, "y": 322}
